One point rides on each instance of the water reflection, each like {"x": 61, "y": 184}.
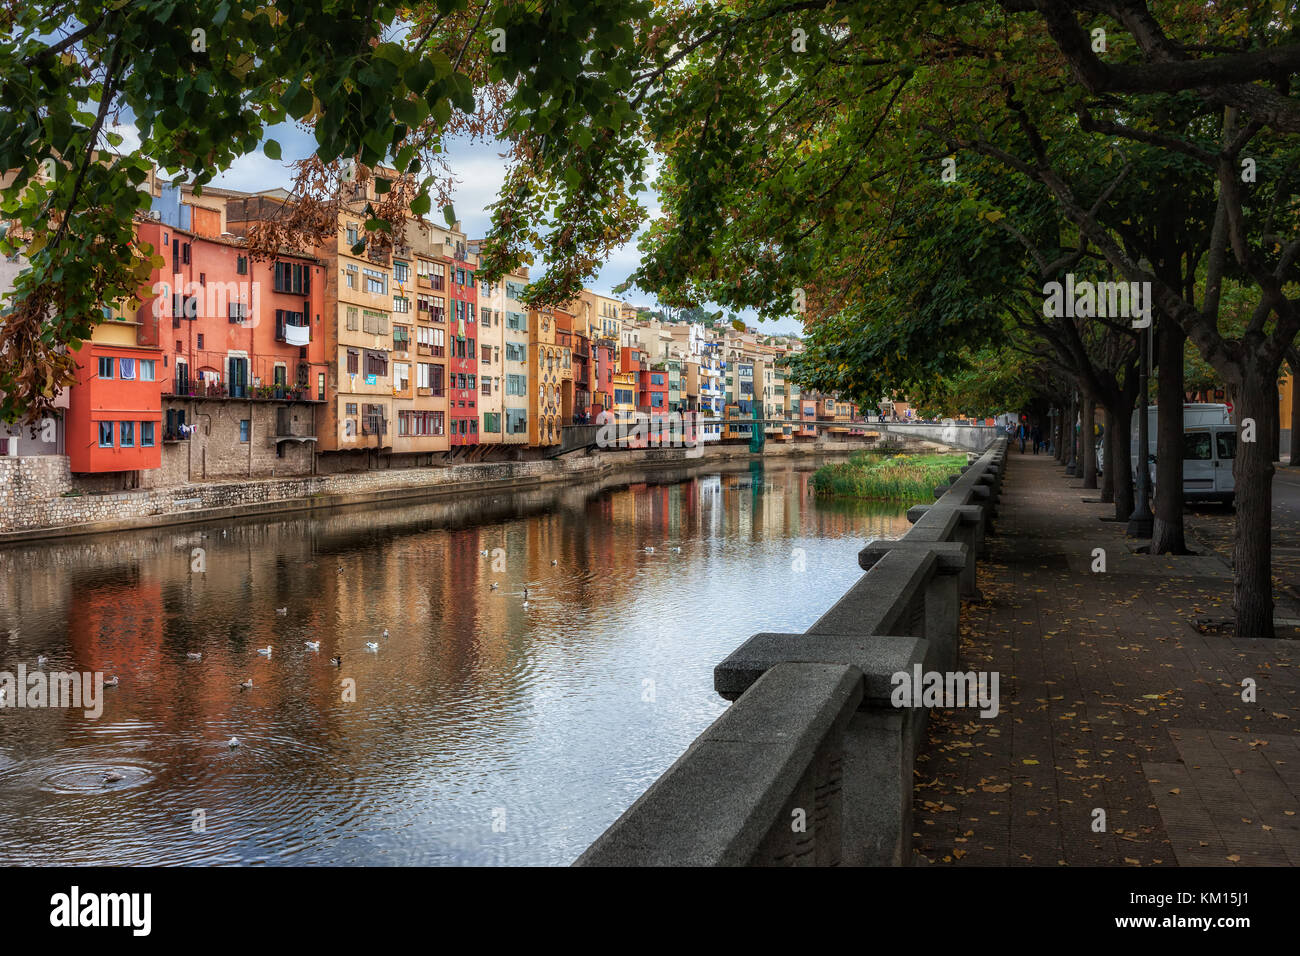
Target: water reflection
{"x": 484, "y": 730}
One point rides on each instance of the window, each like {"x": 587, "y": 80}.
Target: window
{"x": 148, "y": 368}
{"x": 401, "y": 375}
{"x": 1227, "y": 442}
{"x": 292, "y": 277}
{"x": 237, "y": 312}
{"x": 376, "y": 363}
{"x": 320, "y": 386}
{"x": 146, "y": 434}
{"x": 401, "y": 337}
{"x": 350, "y": 277}
{"x": 439, "y": 309}
{"x": 376, "y": 282}
{"x": 354, "y": 319}
{"x": 106, "y": 366}
{"x": 126, "y": 434}
{"x": 429, "y": 376}
{"x": 245, "y": 428}
{"x": 487, "y": 386}
{"x": 241, "y": 265}
{"x": 126, "y": 369}
{"x": 350, "y": 408}
{"x": 105, "y": 434}
{"x": 200, "y": 340}
{"x": 401, "y": 304}
{"x": 354, "y": 360}
{"x": 401, "y": 271}
{"x": 516, "y": 352}
{"x": 516, "y": 384}
{"x": 419, "y": 423}
{"x": 423, "y": 304}
{"x": 376, "y": 323}
{"x": 1196, "y": 446}
{"x": 515, "y": 320}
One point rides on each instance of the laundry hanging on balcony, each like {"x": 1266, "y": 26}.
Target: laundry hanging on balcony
{"x": 297, "y": 334}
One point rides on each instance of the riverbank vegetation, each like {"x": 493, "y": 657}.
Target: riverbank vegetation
{"x": 884, "y": 477}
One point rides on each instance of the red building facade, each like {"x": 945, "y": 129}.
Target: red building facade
{"x": 462, "y": 350}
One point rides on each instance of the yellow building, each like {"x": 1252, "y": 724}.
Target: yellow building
{"x": 550, "y": 375}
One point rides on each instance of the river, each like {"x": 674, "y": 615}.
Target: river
{"x": 482, "y": 730}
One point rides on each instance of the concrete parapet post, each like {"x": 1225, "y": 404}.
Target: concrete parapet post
{"x": 880, "y": 739}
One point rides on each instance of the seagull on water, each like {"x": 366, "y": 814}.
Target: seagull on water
{"x": 282, "y": 611}
{"x": 314, "y": 645}
{"x": 112, "y": 777}
{"x": 484, "y": 552}
{"x": 265, "y": 651}
{"x": 649, "y": 550}
{"x": 41, "y": 660}
{"x": 234, "y": 742}
{"x": 371, "y": 645}
{"x": 337, "y": 660}
{"x": 194, "y": 656}
{"x": 677, "y": 550}
{"x": 554, "y": 562}
{"x": 495, "y": 585}
{"x": 111, "y": 682}
{"x": 246, "y": 685}
{"x": 385, "y": 632}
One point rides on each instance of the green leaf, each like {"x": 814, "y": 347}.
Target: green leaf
{"x": 272, "y": 149}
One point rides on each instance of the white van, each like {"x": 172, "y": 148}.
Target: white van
{"x": 1209, "y": 446}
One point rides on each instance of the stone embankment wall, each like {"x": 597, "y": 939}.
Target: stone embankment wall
{"x": 38, "y": 498}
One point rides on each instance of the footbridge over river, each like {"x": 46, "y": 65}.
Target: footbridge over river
{"x": 912, "y": 436}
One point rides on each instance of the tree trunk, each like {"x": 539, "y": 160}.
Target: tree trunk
{"x": 1108, "y": 473}
{"x": 1118, "y": 465}
{"x": 1295, "y": 411}
{"x": 1072, "y": 453}
{"x": 1167, "y": 536}
{"x": 1252, "y": 551}
{"x": 1063, "y": 410}
{"x": 1089, "y": 442}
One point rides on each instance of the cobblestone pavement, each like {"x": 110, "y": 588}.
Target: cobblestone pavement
{"x": 1122, "y": 737}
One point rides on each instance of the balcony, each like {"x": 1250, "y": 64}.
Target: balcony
{"x": 290, "y": 334}
{"x": 201, "y": 390}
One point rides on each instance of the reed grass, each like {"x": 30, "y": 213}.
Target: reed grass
{"x": 884, "y": 477}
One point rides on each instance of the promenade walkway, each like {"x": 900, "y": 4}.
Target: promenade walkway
{"x": 1110, "y": 701}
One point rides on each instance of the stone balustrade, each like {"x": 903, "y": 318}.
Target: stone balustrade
{"x": 812, "y": 763}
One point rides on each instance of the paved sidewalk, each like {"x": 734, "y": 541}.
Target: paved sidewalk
{"x": 1110, "y": 701}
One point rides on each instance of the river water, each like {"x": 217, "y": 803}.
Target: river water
{"x": 481, "y": 730}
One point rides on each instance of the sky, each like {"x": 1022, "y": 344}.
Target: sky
{"x": 479, "y": 170}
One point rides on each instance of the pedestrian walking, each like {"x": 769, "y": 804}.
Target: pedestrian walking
{"x": 1036, "y": 436}
{"x": 1022, "y": 433}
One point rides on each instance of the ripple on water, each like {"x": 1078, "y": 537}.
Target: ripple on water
{"x": 91, "y": 777}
